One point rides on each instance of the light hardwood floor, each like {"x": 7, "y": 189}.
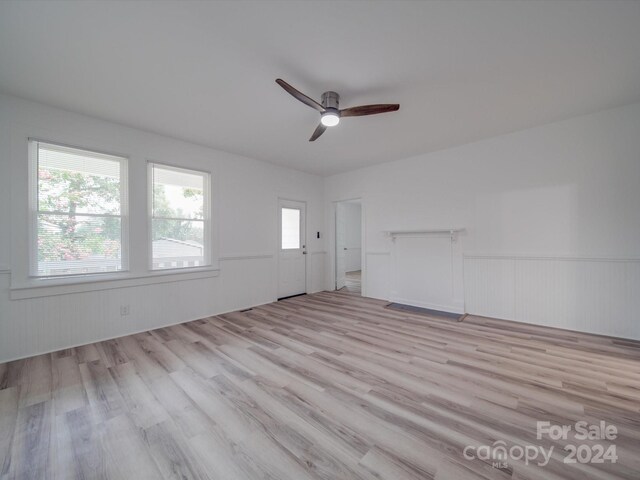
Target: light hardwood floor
{"x": 353, "y": 282}
{"x": 326, "y": 386}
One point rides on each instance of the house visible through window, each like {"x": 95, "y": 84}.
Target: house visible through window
{"x": 179, "y": 217}
{"x": 78, "y": 217}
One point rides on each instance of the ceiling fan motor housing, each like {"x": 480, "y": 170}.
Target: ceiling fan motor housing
{"x": 331, "y": 100}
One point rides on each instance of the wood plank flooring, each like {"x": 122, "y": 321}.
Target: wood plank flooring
{"x": 325, "y": 386}
{"x": 353, "y": 282}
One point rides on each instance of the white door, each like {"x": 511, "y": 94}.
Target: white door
{"x": 341, "y": 245}
{"x": 292, "y": 265}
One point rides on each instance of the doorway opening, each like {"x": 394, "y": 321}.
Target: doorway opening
{"x": 349, "y": 246}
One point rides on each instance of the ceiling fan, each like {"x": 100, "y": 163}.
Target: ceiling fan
{"x": 330, "y": 111}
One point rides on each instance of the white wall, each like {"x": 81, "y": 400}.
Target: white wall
{"x": 245, "y": 221}
{"x": 552, "y": 219}
{"x": 353, "y": 224}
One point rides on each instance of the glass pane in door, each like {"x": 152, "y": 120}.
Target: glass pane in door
{"x": 290, "y": 228}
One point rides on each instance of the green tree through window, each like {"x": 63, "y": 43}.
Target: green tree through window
{"x": 79, "y": 211}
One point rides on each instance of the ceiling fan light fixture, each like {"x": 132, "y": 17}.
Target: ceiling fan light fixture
{"x": 330, "y": 118}
{"x": 329, "y": 108}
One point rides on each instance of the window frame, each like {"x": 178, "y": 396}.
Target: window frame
{"x": 33, "y": 145}
{"x": 206, "y": 218}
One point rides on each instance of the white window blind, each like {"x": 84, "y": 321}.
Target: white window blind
{"x": 179, "y": 217}
{"x": 79, "y": 211}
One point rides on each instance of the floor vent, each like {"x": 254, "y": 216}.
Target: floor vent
{"x": 246, "y": 310}
{"x": 426, "y": 311}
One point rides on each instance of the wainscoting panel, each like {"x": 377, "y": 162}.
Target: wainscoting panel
{"x": 377, "y": 273}
{"x": 489, "y": 286}
{"x": 247, "y": 281}
{"x": 596, "y": 295}
{"x": 317, "y": 261}
{"x": 44, "y": 324}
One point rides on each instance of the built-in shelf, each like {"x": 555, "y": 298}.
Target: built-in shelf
{"x": 453, "y": 232}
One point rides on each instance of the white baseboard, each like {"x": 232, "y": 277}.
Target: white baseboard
{"x": 432, "y": 306}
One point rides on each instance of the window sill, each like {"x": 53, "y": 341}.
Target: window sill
{"x": 47, "y": 287}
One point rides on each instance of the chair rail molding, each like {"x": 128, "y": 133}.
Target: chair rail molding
{"x": 245, "y": 256}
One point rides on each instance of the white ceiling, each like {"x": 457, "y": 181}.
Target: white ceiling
{"x": 205, "y": 71}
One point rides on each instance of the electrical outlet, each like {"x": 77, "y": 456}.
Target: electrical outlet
{"x": 124, "y": 310}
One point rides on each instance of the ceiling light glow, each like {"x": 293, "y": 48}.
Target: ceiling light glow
{"x": 330, "y": 119}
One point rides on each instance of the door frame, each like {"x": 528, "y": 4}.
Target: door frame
{"x": 334, "y": 244}
{"x": 303, "y": 230}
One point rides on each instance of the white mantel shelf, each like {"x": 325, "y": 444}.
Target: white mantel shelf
{"x": 453, "y": 232}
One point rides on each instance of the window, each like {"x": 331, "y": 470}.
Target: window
{"x": 179, "y": 217}
{"x": 290, "y": 228}
{"x": 80, "y": 200}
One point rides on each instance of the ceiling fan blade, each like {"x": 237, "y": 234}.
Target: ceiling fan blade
{"x": 300, "y": 96}
{"x": 369, "y": 110}
{"x": 317, "y": 132}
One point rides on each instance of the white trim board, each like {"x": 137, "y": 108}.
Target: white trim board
{"x": 431, "y": 306}
{"x": 246, "y": 256}
{"x": 71, "y": 286}
{"x": 581, "y": 258}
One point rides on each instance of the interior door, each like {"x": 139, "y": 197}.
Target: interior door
{"x": 292, "y": 265}
{"x": 341, "y": 245}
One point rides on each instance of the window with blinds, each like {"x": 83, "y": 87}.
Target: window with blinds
{"x": 79, "y": 211}
{"x": 179, "y": 217}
